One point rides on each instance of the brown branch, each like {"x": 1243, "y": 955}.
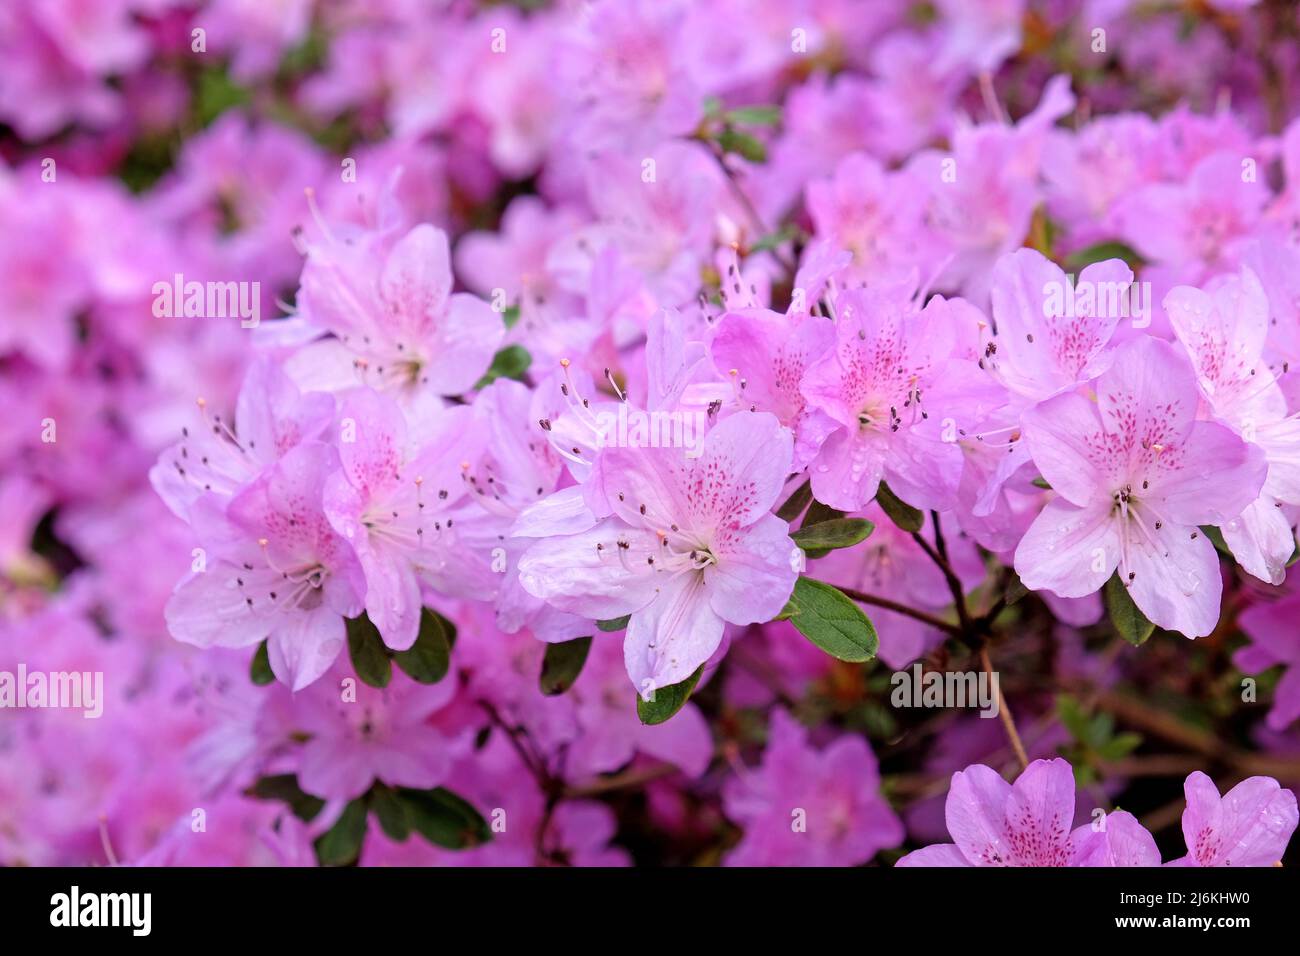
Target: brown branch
{"x": 903, "y": 609}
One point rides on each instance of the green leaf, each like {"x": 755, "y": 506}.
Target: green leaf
{"x": 754, "y": 115}
{"x": 429, "y": 658}
{"x": 818, "y": 513}
{"x": 1128, "y": 619}
{"x": 510, "y": 316}
{"x": 390, "y": 812}
{"x": 216, "y": 92}
{"x": 1119, "y": 746}
{"x": 827, "y": 536}
{"x": 259, "y": 669}
{"x": 562, "y": 665}
{"x": 1072, "y": 717}
{"x": 1041, "y": 483}
{"x": 340, "y": 845}
{"x": 900, "y": 512}
{"x": 666, "y": 701}
{"x": 444, "y": 819}
{"x": 511, "y": 362}
{"x": 1100, "y": 253}
{"x": 796, "y": 503}
{"x": 742, "y": 144}
{"x": 307, "y": 57}
{"x": 284, "y": 787}
{"x": 829, "y": 618}
{"x": 614, "y": 624}
{"x": 369, "y": 655}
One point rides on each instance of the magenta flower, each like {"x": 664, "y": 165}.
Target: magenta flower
{"x": 381, "y": 735}
{"x": 1250, "y": 825}
{"x": 1029, "y": 823}
{"x": 1135, "y": 475}
{"x": 809, "y": 807}
{"x": 1274, "y": 640}
{"x": 691, "y": 545}
{"x": 608, "y": 733}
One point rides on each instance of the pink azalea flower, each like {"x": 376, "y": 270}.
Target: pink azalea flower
{"x": 1199, "y": 225}
{"x": 395, "y": 500}
{"x": 1224, "y": 330}
{"x": 389, "y": 301}
{"x": 982, "y": 195}
{"x": 263, "y": 32}
{"x": 690, "y": 546}
{"x": 1047, "y": 338}
{"x": 1029, "y": 823}
{"x": 44, "y": 285}
{"x": 1277, "y": 264}
{"x": 59, "y": 56}
{"x": 1049, "y": 335}
{"x": 1088, "y": 171}
{"x": 876, "y": 215}
{"x": 218, "y": 458}
{"x": 626, "y": 65}
{"x": 381, "y": 735}
{"x": 609, "y": 733}
{"x": 278, "y": 571}
{"x": 889, "y": 384}
{"x": 1274, "y": 640}
{"x": 513, "y": 260}
{"x": 516, "y": 95}
{"x": 911, "y": 96}
{"x": 1135, "y": 475}
{"x": 1250, "y": 825}
{"x": 234, "y": 195}
{"x": 661, "y": 220}
{"x": 517, "y": 469}
{"x": 769, "y": 354}
{"x": 981, "y": 34}
{"x": 808, "y": 807}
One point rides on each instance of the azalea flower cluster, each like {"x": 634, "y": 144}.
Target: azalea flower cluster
{"x": 496, "y": 436}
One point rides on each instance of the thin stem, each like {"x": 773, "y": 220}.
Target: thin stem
{"x": 939, "y": 557}
{"x": 903, "y": 609}
{"x": 517, "y": 736}
{"x": 1004, "y": 712}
